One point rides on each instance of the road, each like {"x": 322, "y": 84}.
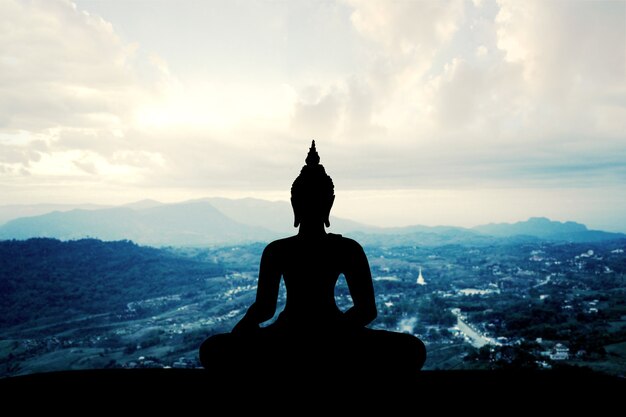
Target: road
{"x": 476, "y": 338}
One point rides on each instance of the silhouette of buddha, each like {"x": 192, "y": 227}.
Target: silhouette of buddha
{"x": 311, "y": 334}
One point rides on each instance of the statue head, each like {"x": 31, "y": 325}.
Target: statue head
{"x": 312, "y": 192}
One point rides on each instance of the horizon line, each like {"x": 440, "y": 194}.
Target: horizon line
{"x": 98, "y": 206}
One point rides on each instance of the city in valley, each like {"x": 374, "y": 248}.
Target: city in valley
{"x": 509, "y": 305}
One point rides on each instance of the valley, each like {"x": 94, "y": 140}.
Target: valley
{"x": 533, "y": 305}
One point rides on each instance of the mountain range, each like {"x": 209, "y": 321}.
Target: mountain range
{"x": 221, "y": 221}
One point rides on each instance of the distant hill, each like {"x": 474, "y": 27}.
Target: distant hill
{"x": 222, "y": 221}
{"x": 543, "y": 228}
{"x": 210, "y": 221}
{"x": 15, "y": 211}
{"x": 274, "y": 215}
{"x": 421, "y": 236}
{"x": 183, "y": 224}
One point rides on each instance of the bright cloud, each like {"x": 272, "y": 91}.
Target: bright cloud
{"x": 60, "y": 66}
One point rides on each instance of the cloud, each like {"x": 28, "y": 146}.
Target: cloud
{"x": 404, "y": 39}
{"x": 401, "y": 40}
{"x": 317, "y": 117}
{"x": 61, "y": 67}
{"x": 417, "y": 112}
{"x": 407, "y": 30}
{"x": 535, "y": 110}
{"x": 573, "y": 58}
{"x": 564, "y": 43}
{"x": 432, "y": 94}
{"x": 70, "y": 89}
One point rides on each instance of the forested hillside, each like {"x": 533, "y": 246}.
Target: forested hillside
{"x": 46, "y": 279}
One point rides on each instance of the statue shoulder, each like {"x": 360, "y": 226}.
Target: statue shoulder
{"x": 347, "y": 243}
{"x": 279, "y": 245}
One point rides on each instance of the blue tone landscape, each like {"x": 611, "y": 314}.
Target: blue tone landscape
{"x": 142, "y": 285}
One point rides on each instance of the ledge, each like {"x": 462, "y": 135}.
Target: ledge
{"x": 565, "y": 389}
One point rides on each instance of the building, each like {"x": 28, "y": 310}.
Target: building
{"x": 420, "y": 278}
{"x": 559, "y": 353}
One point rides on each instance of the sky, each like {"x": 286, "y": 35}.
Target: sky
{"x": 424, "y": 112}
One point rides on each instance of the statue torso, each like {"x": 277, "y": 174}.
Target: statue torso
{"x": 311, "y": 268}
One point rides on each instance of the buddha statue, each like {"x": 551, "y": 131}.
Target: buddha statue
{"x": 311, "y": 332}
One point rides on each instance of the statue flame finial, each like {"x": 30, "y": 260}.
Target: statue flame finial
{"x": 312, "y": 158}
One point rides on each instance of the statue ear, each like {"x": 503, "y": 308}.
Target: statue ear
{"x": 296, "y": 218}
{"x": 330, "y": 206}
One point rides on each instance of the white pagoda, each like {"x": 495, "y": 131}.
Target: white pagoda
{"x": 420, "y": 278}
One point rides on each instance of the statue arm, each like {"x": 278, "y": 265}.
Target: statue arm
{"x": 359, "y": 279}
{"x": 264, "y": 307}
